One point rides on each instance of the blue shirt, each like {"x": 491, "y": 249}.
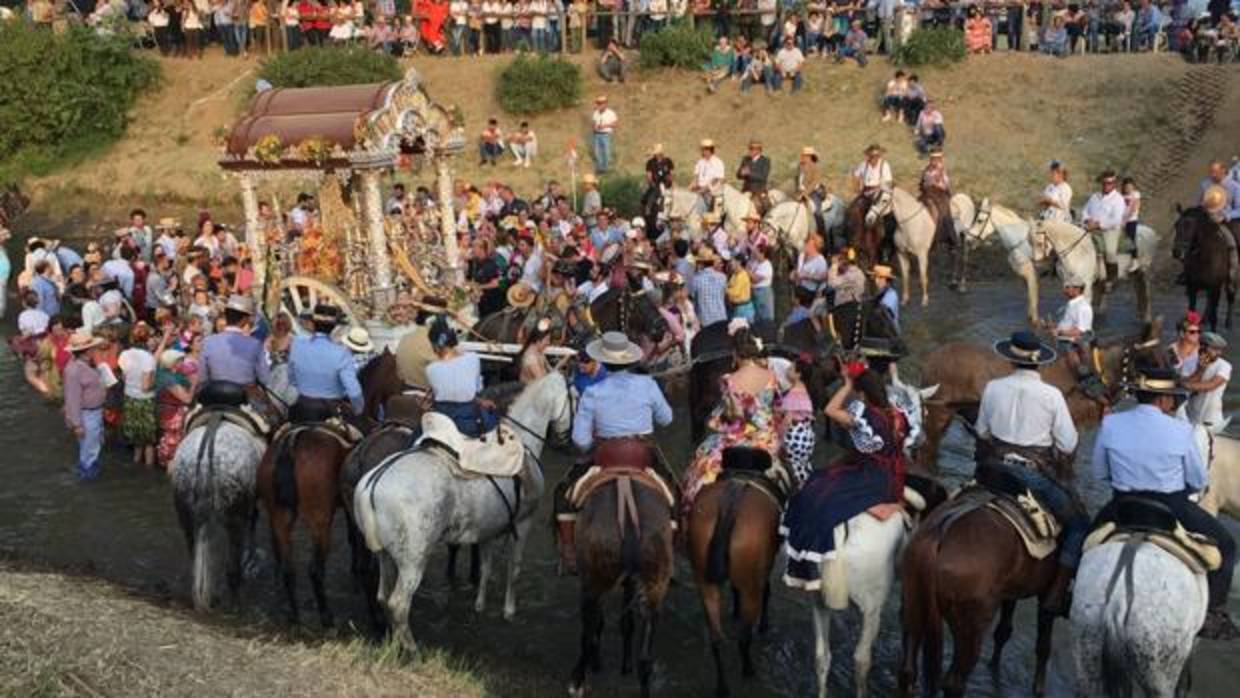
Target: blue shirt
{"x": 120, "y": 270}
{"x": 1231, "y": 209}
{"x": 68, "y": 259}
{"x": 708, "y": 289}
{"x": 235, "y": 357}
{"x": 583, "y": 380}
{"x": 625, "y": 404}
{"x": 1144, "y": 450}
{"x": 49, "y": 295}
{"x": 890, "y": 300}
{"x": 320, "y": 368}
{"x": 798, "y": 314}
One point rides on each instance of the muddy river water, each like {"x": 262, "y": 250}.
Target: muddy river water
{"x": 122, "y": 528}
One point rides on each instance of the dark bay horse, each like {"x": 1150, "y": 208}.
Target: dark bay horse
{"x": 631, "y": 312}
{"x": 1200, "y": 246}
{"x": 962, "y": 370}
{"x": 870, "y": 240}
{"x": 961, "y": 569}
{"x": 624, "y": 537}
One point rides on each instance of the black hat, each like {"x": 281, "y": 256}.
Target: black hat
{"x": 1159, "y": 381}
{"x": 880, "y": 348}
{"x": 325, "y": 314}
{"x": 1024, "y": 347}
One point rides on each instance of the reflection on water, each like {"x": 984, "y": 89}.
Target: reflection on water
{"x": 123, "y": 528}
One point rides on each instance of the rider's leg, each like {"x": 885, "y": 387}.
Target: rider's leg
{"x": 1233, "y": 243}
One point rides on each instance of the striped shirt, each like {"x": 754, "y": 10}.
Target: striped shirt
{"x": 709, "y": 289}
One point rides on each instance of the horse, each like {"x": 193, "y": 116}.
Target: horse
{"x": 869, "y": 557}
{"x": 866, "y": 233}
{"x": 624, "y": 538}
{"x": 503, "y": 326}
{"x": 299, "y": 476}
{"x": 1221, "y": 455}
{"x": 631, "y": 312}
{"x": 1136, "y": 611}
{"x": 962, "y": 370}
{"x": 687, "y": 206}
{"x": 1206, "y": 259}
{"x": 1111, "y": 260}
{"x": 791, "y": 222}
{"x": 412, "y": 501}
{"x": 213, "y": 479}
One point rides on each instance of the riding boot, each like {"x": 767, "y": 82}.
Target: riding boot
{"x": 1218, "y": 625}
{"x": 567, "y": 542}
{"x": 1086, "y": 377}
{"x": 1059, "y": 599}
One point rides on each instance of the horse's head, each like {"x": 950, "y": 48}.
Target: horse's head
{"x": 1119, "y": 361}
{"x": 983, "y": 225}
{"x": 1188, "y": 223}
{"x": 911, "y": 400}
{"x": 880, "y": 208}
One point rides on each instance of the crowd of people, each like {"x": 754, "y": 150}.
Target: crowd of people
{"x": 844, "y": 29}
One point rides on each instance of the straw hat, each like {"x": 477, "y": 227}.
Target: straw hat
{"x": 809, "y": 151}
{"x": 83, "y": 340}
{"x": 707, "y": 143}
{"x": 638, "y": 222}
{"x": 706, "y": 255}
{"x": 1214, "y": 199}
{"x": 601, "y": 99}
{"x": 1024, "y": 347}
{"x": 589, "y": 178}
{"x": 882, "y": 271}
{"x": 874, "y": 149}
{"x": 1160, "y": 381}
{"x": 169, "y": 223}
{"x": 614, "y": 348}
{"x": 241, "y": 304}
{"x": 1213, "y": 340}
{"x": 1073, "y": 281}
{"x": 752, "y": 215}
{"x": 656, "y": 149}
{"x": 936, "y": 152}
{"x": 357, "y": 339}
{"x": 520, "y": 295}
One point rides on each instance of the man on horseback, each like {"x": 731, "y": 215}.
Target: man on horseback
{"x": 1145, "y": 452}
{"x": 1074, "y": 333}
{"x": 659, "y": 170}
{"x": 323, "y": 372}
{"x": 1220, "y": 197}
{"x": 615, "y": 420}
{"x": 232, "y": 359}
{"x": 936, "y": 194}
{"x": 1103, "y": 216}
{"x": 754, "y": 171}
{"x": 872, "y": 177}
{"x": 811, "y": 188}
{"x": 708, "y": 176}
{"x": 1025, "y": 434}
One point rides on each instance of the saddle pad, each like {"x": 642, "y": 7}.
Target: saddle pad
{"x": 245, "y": 417}
{"x": 1197, "y": 552}
{"x": 498, "y": 453}
{"x": 1037, "y": 527}
{"x": 596, "y": 477}
{"x": 344, "y": 433}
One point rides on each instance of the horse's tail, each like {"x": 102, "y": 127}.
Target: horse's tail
{"x": 1117, "y": 673}
{"x": 630, "y": 538}
{"x": 920, "y": 613}
{"x": 717, "y": 551}
{"x": 207, "y": 555}
{"x": 286, "y": 472}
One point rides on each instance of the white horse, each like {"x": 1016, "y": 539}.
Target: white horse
{"x": 1136, "y": 611}
{"x": 1028, "y": 242}
{"x": 688, "y": 206}
{"x": 1222, "y": 455}
{"x": 213, "y": 477}
{"x": 868, "y": 556}
{"x": 412, "y": 502}
{"x": 791, "y": 220}
{"x": 1110, "y": 258}
{"x": 915, "y": 229}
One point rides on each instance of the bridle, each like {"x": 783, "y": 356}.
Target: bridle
{"x": 983, "y": 219}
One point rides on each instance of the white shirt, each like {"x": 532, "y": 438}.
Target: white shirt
{"x": 32, "y": 321}
{"x": 790, "y": 60}
{"x": 1078, "y": 314}
{"x": 457, "y": 379}
{"x": 762, "y": 274}
{"x": 709, "y": 173}
{"x": 136, "y": 364}
{"x": 874, "y": 176}
{"x": 1107, "y": 210}
{"x": 1022, "y": 410}
{"x": 811, "y": 273}
{"x": 604, "y": 120}
{"x": 92, "y": 315}
{"x": 1061, "y": 195}
{"x": 531, "y": 270}
{"x": 1207, "y": 407}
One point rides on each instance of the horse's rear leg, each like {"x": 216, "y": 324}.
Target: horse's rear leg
{"x": 871, "y": 618}
{"x": 968, "y": 621}
{"x": 711, "y": 601}
{"x": 238, "y": 537}
{"x": 645, "y": 658}
{"x": 591, "y": 631}
{"x": 1003, "y": 631}
{"x": 480, "y": 601}
{"x": 409, "y": 578}
{"x": 627, "y": 622}
{"x": 514, "y": 569}
{"x": 764, "y": 625}
{"x": 822, "y": 645}
{"x": 1046, "y": 626}
{"x": 282, "y": 544}
{"x": 923, "y": 271}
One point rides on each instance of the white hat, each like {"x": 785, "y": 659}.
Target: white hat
{"x": 170, "y": 357}
{"x": 1073, "y": 281}
{"x": 357, "y": 339}
{"x": 638, "y": 222}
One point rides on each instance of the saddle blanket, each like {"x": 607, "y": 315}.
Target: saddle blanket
{"x": 497, "y": 453}
{"x": 244, "y": 416}
{"x": 1037, "y": 527}
{"x": 1199, "y": 553}
{"x": 343, "y": 432}
{"x": 597, "y": 476}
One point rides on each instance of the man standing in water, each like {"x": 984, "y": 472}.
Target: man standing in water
{"x": 84, "y": 393}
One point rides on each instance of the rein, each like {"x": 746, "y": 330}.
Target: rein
{"x": 983, "y": 215}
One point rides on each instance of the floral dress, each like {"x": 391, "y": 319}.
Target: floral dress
{"x": 171, "y": 412}
{"x": 872, "y": 472}
{"x": 740, "y": 419}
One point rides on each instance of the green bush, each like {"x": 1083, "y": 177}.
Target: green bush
{"x": 327, "y": 66}
{"x": 932, "y": 46}
{"x": 64, "y": 95}
{"x": 677, "y": 46}
{"x": 622, "y": 193}
{"x": 533, "y": 85}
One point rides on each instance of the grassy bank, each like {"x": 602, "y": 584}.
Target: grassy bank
{"x": 1006, "y": 117}
{"x": 63, "y": 635}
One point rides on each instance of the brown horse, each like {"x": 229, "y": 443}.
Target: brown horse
{"x": 1206, "y": 258}
{"x": 868, "y": 240}
{"x": 961, "y": 568}
{"x": 733, "y": 536}
{"x": 623, "y": 536}
{"x": 962, "y": 370}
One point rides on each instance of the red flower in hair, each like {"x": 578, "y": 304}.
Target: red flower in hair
{"x": 805, "y": 357}
{"x": 1193, "y": 318}
{"x": 854, "y": 369}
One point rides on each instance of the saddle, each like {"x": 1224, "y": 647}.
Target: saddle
{"x": 340, "y": 430}
{"x": 241, "y": 415}
{"x": 497, "y": 453}
{"x": 1141, "y": 520}
{"x": 615, "y": 459}
{"x": 754, "y": 467}
{"x": 1037, "y": 527}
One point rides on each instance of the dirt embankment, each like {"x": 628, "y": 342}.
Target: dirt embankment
{"x": 1006, "y": 115}
{"x": 74, "y": 636}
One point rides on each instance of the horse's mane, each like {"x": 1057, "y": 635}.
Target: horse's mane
{"x": 528, "y": 393}
{"x": 380, "y": 360}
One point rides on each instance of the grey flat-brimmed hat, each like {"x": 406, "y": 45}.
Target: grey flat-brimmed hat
{"x": 1024, "y": 347}
{"x": 614, "y": 348}
{"x": 1213, "y": 340}
{"x": 241, "y": 304}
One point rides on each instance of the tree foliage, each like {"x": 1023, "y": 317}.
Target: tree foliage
{"x": 933, "y": 46}
{"x": 622, "y": 193}
{"x": 677, "y": 46}
{"x": 328, "y": 66}
{"x": 534, "y": 85}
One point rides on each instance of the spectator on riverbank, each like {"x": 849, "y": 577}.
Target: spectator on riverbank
{"x": 788, "y": 64}
{"x": 929, "y": 130}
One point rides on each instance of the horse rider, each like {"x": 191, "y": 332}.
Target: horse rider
{"x": 615, "y": 420}
{"x": 1220, "y": 197}
{"x": 1146, "y": 452}
{"x": 708, "y": 176}
{"x": 455, "y": 377}
{"x": 872, "y": 177}
{"x": 1103, "y": 216}
{"x": 1074, "y": 335}
{"x": 1209, "y": 383}
{"x": 232, "y": 360}
{"x": 323, "y": 372}
{"x": 1056, "y": 199}
{"x": 659, "y": 170}
{"x": 812, "y": 188}
{"x": 886, "y": 296}
{"x": 936, "y": 194}
{"x": 1025, "y": 434}
{"x": 754, "y": 171}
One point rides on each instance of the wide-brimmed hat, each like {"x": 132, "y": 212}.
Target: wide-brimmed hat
{"x": 358, "y": 339}
{"x": 325, "y": 313}
{"x": 1213, "y": 340}
{"x": 1159, "y": 381}
{"x": 710, "y": 218}
{"x": 1073, "y": 281}
{"x": 668, "y": 277}
{"x": 755, "y": 143}
{"x": 880, "y": 348}
{"x": 34, "y": 240}
{"x": 168, "y": 223}
{"x": 809, "y": 151}
{"x": 705, "y": 255}
{"x": 521, "y": 295}
{"x": 240, "y": 304}
{"x": 706, "y": 143}
{"x": 656, "y": 149}
{"x": 881, "y": 271}
{"x": 83, "y": 340}
{"x": 1024, "y": 347}
{"x": 600, "y": 99}
{"x": 638, "y": 222}
{"x": 936, "y": 152}
{"x": 589, "y": 178}
{"x": 614, "y": 348}
{"x": 1214, "y": 198}
{"x": 170, "y": 357}
{"x": 874, "y": 148}
{"x": 751, "y": 215}
{"x": 1106, "y": 175}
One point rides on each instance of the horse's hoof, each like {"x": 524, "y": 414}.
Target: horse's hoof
{"x": 510, "y": 612}
{"x": 576, "y": 691}
{"x": 480, "y": 606}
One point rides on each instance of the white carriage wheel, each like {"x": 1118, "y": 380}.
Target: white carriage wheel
{"x": 299, "y": 295}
